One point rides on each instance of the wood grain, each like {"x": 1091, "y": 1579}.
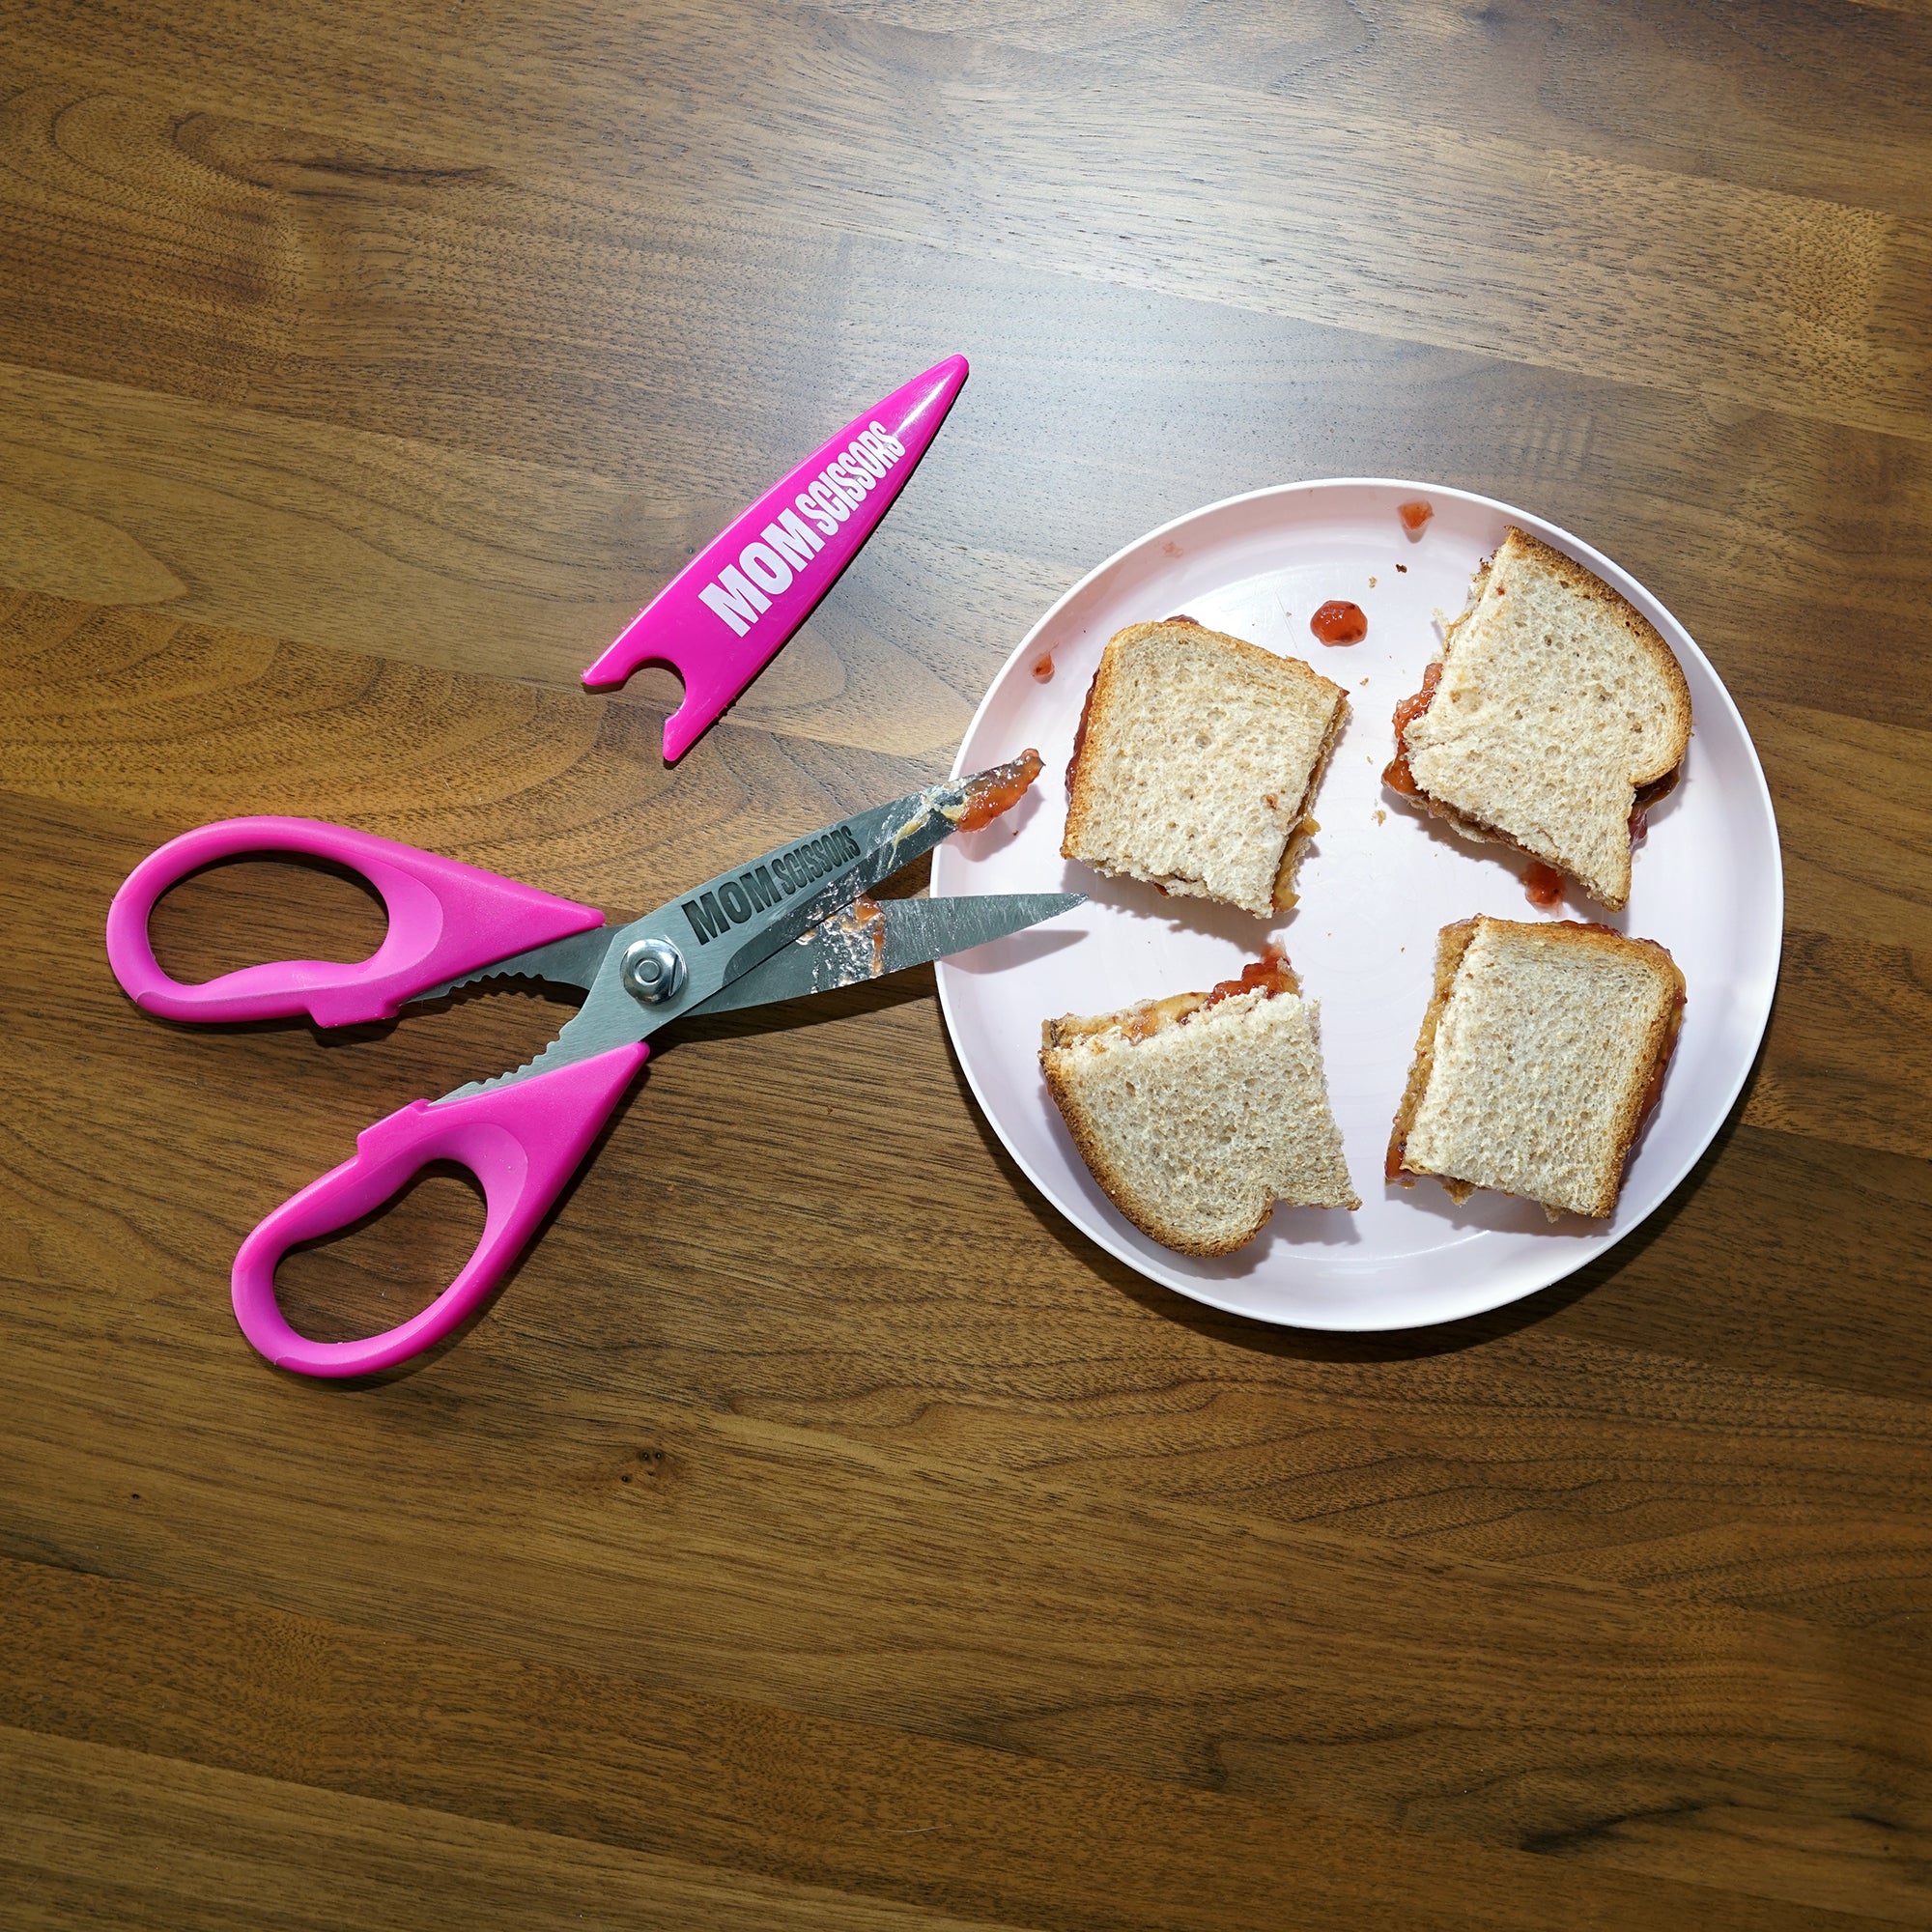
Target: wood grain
{"x": 1767, "y": 295}
{"x": 1802, "y": 524}
{"x": 214, "y": 1849}
{"x": 1423, "y": 1694}
{"x": 816, "y": 1531}
{"x": 742, "y": 1786}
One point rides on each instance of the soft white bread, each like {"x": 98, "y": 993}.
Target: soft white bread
{"x": 1198, "y": 1114}
{"x": 1557, "y": 702}
{"x": 1540, "y": 1056}
{"x": 1197, "y": 763}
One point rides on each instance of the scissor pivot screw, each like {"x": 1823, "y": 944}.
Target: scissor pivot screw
{"x": 653, "y": 970}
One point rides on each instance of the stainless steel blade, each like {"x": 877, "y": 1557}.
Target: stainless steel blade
{"x": 563, "y": 962}
{"x": 720, "y": 929}
{"x": 867, "y": 941}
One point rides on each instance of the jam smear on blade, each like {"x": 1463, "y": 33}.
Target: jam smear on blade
{"x": 998, "y": 790}
{"x": 863, "y": 921}
{"x": 1339, "y": 622}
{"x": 1542, "y": 884}
{"x": 1415, "y": 516}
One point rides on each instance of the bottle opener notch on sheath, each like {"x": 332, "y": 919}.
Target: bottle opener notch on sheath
{"x": 727, "y": 613}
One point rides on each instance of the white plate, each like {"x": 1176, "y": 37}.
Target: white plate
{"x": 1375, "y": 884}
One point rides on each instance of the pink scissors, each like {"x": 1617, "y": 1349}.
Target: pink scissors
{"x": 725, "y": 944}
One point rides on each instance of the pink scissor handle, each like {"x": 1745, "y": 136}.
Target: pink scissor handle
{"x": 523, "y": 1142}
{"x": 725, "y": 615}
{"x": 446, "y": 919}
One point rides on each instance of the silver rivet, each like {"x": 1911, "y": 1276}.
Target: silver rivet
{"x": 653, "y": 970}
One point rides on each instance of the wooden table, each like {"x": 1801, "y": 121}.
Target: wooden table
{"x": 818, "y": 1532}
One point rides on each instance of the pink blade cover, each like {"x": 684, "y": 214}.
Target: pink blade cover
{"x": 523, "y": 1142}
{"x": 725, "y": 615}
{"x": 445, "y": 919}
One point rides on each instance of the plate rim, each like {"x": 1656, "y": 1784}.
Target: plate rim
{"x": 1560, "y": 1267}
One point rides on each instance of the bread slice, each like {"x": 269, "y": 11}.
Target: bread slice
{"x": 1556, "y": 704}
{"x": 1540, "y": 1057}
{"x": 1196, "y": 762}
{"x": 1199, "y": 1111}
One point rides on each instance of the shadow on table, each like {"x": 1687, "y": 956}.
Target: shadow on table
{"x": 1316, "y": 1345}
{"x": 781, "y": 1017}
{"x": 1257, "y": 1337}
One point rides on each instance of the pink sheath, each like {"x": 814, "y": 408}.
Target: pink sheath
{"x": 523, "y": 1142}
{"x": 446, "y": 919}
{"x": 724, "y": 615}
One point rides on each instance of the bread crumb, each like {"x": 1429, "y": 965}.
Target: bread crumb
{"x": 1382, "y": 817}
{"x": 1372, "y": 583}
{"x": 1403, "y": 568}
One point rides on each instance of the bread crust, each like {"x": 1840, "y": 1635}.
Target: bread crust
{"x": 1082, "y": 772}
{"x": 1141, "y": 1212}
{"x": 1149, "y": 1017}
{"x": 1633, "y": 1106}
{"x": 1643, "y": 632}
{"x": 1138, "y": 1023}
{"x": 1520, "y": 545}
{"x": 1286, "y": 898}
{"x": 1451, "y": 943}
